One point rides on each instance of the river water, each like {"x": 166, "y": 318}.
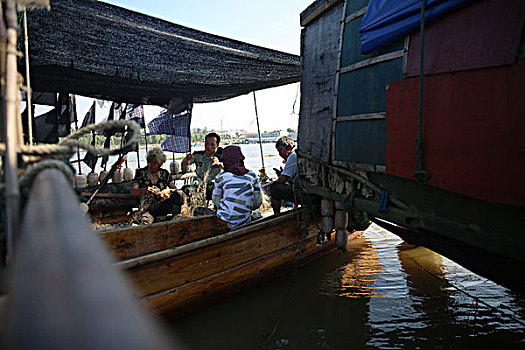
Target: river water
{"x": 252, "y": 152}
{"x": 381, "y": 293}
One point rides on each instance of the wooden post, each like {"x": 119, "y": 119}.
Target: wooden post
{"x": 65, "y": 291}
{"x": 28, "y": 83}
{"x": 189, "y": 136}
{"x": 9, "y": 109}
{"x": 146, "y": 138}
{"x": 173, "y": 147}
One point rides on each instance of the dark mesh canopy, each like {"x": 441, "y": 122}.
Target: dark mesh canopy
{"x": 99, "y": 50}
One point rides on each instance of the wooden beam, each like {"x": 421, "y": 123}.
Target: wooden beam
{"x": 109, "y": 195}
{"x": 356, "y": 14}
{"x": 374, "y": 60}
{"x": 319, "y": 10}
{"x": 64, "y": 291}
{"x": 380, "y": 115}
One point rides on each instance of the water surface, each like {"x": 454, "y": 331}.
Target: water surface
{"x": 381, "y": 293}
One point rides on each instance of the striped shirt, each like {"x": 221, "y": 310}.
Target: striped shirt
{"x": 237, "y": 195}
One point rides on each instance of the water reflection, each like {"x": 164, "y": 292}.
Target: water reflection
{"x": 356, "y": 280}
{"x": 381, "y": 293}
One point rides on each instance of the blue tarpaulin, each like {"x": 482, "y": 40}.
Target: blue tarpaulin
{"x": 386, "y": 21}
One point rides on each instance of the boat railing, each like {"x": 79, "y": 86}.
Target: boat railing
{"x": 64, "y": 289}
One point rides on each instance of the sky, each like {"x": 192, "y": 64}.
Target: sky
{"x": 272, "y": 23}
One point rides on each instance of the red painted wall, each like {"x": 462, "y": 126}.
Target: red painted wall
{"x": 473, "y": 131}
{"x": 484, "y": 34}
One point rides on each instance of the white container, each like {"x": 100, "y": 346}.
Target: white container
{"x": 327, "y": 207}
{"x": 84, "y": 208}
{"x": 341, "y": 219}
{"x": 92, "y": 179}
{"x": 81, "y": 181}
{"x": 128, "y": 174}
{"x": 327, "y": 224}
{"x": 174, "y": 167}
{"x": 103, "y": 175}
{"x": 117, "y": 176}
{"x": 341, "y": 238}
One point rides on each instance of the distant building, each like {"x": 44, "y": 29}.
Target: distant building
{"x": 272, "y": 136}
{"x": 231, "y": 133}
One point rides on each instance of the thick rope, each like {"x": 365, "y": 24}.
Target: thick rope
{"x": 29, "y": 176}
{"x": 67, "y": 147}
{"x": 420, "y": 174}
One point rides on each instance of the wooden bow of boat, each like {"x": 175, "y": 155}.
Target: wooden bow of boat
{"x": 64, "y": 290}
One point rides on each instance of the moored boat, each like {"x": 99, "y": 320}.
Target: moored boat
{"x": 178, "y": 266}
{"x": 412, "y": 110}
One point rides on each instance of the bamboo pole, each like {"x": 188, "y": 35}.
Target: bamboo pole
{"x": 189, "y": 135}
{"x": 351, "y": 174}
{"x": 263, "y": 170}
{"x": 9, "y": 108}
{"x": 29, "y": 93}
{"x": 76, "y": 127}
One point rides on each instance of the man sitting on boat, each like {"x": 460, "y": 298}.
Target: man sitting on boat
{"x": 208, "y": 161}
{"x": 159, "y": 193}
{"x": 237, "y": 190}
{"x": 282, "y": 188}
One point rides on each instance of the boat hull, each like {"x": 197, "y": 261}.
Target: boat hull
{"x": 179, "y": 267}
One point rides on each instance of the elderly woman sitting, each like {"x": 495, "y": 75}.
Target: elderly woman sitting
{"x": 237, "y": 190}
{"x": 159, "y": 193}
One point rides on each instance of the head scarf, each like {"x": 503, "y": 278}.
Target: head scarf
{"x": 233, "y": 160}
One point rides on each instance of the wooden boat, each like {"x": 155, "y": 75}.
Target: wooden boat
{"x": 420, "y": 126}
{"x": 179, "y": 266}
{"x": 175, "y": 266}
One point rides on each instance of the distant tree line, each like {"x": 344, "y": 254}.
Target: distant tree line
{"x": 197, "y": 136}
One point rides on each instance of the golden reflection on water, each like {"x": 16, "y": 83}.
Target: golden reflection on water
{"x": 356, "y": 280}
{"x": 370, "y": 262}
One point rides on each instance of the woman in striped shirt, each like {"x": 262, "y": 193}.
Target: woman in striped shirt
{"x": 237, "y": 190}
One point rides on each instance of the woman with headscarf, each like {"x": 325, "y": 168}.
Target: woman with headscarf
{"x": 159, "y": 193}
{"x": 237, "y": 190}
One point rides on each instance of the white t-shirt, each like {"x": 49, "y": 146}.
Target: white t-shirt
{"x": 290, "y": 168}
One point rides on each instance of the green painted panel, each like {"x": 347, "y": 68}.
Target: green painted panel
{"x": 364, "y": 90}
{"x": 351, "y": 52}
{"x": 361, "y": 141}
{"x": 355, "y": 5}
